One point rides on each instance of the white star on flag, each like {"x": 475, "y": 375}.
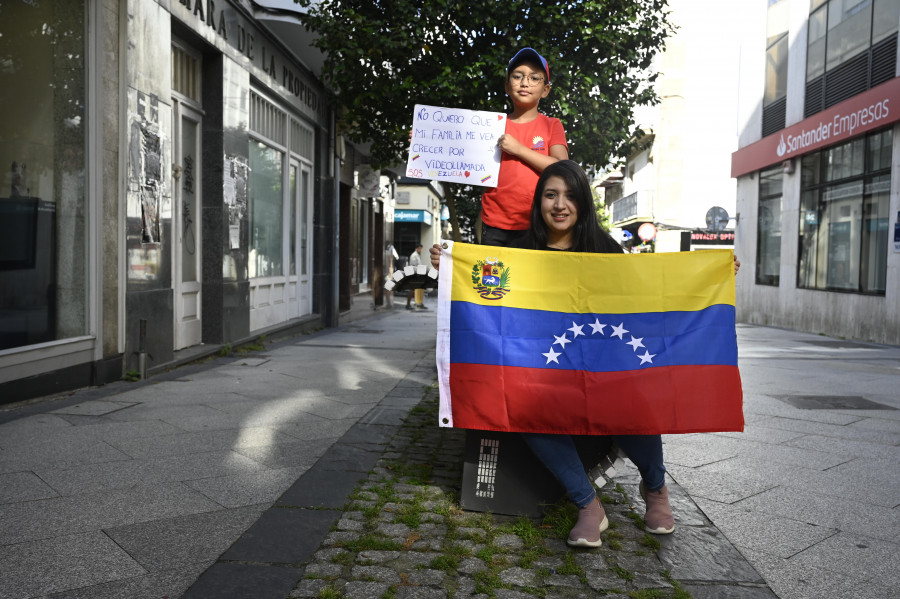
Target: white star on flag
{"x": 620, "y": 330}
{"x": 635, "y": 343}
{"x": 647, "y": 357}
{"x": 562, "y": 340}
{"x": 551, "y": 356}
{"x": 597, "y": 327}
{"x": 576, "y": 329}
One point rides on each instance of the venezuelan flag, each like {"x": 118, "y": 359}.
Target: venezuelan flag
{"x": 564, "y": 342}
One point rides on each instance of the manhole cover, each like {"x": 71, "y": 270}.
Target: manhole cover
{"x": 832, "y": 402}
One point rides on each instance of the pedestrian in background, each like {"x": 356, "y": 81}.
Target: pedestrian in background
{"x": 415, "y": 259}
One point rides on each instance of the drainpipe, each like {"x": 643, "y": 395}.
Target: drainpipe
{"x": 142, "y": 350}
{"x": 334, "y": 319}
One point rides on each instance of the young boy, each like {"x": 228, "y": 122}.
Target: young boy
{"x": 531, "y": 142}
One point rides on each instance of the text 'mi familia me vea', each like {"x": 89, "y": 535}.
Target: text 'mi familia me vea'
{"x": 455, "y": 145}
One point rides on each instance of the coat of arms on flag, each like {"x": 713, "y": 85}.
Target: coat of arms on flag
{"x": 587, "y": 343}
{"x": 490, "y": 278}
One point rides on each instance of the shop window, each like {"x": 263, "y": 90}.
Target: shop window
{"x": 768, "y": 231}
{"x": 844, "y": 214}
{"x": 281, "y": 152}
{"x": 266, "y": 210}
{"x": 849, "y": 30}
{"x": 43, "y": 201}
{"x": 851, "y": 47}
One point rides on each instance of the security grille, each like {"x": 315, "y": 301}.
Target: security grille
{"x": 847, "y": 80}
{"x": 185, "y": 74}
{"x": 302, "y": 141}
{"x": 815, "y": 96}
{"x": 865, "y": 71}
{"x": 884, "y": 61}
{"x": 774, "y": 116}
{"x": 267, "y": 119}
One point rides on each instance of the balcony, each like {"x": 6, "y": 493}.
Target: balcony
{"x": 637, "y": 206}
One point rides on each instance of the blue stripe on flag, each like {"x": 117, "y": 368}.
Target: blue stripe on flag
{"x": 506, "y": 336}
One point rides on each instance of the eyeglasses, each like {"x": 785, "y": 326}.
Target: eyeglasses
{"x": 532, "y": 78}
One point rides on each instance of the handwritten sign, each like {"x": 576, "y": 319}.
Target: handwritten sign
{"x": 455, "y": 145}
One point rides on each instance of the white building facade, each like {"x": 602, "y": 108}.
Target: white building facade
{"x": 682, "y": 174}
{"x": 417, "y": 214}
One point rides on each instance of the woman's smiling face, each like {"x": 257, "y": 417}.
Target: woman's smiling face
{"x": 558, "y": 208}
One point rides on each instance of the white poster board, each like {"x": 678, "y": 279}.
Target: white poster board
{"x": 455, "y": 145}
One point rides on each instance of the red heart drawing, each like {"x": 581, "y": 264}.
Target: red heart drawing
{"x": 500, "y": 117}
{"x": 468, "y": 173}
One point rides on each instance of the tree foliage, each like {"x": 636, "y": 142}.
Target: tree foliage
{"x": 382, "y": 58}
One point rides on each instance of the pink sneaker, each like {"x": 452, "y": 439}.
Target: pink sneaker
{"x": 591, "y": 522}
{"x": 658, "y": 519}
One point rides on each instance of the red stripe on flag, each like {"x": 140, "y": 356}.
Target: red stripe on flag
{"x": 670, "y": 399}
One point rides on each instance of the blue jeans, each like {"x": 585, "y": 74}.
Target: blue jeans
{"x": 559, "y": 455}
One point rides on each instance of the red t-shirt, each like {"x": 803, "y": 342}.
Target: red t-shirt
{"x": 508, "y": 206}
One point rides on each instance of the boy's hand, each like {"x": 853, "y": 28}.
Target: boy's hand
{"x": 510, "y": 144}
{"x": 435, "y": 252}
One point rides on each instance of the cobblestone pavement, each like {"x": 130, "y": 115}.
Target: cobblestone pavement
{"x": 403, "y": 536}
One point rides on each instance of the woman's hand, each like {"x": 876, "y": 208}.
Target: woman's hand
{"x": 737, "y": 265}
{"x": 435, "y": 252}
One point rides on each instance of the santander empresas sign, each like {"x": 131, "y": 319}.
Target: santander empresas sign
{"x": 867, "y": 111}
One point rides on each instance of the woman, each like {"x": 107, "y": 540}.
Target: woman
{"x": 563, "y": 219}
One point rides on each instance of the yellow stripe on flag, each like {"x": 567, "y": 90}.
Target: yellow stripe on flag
{"x": 592, "y": 283}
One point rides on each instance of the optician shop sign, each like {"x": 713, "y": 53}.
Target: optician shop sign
{"x": 875, "y": 108}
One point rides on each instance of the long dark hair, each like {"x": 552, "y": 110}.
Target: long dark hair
{"x": 587, "y": 235}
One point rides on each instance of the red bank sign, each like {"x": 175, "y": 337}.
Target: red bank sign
{"x": 870, "y": 110}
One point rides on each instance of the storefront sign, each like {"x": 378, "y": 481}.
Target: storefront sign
{"x": 225, "y": 23}
{"x": 712, "y": 238}
{"x": 455, "y": 145}
{"x": 865, "y": 112}
{"x": 412, "y": 216}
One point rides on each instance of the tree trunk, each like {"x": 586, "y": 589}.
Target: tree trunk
{"x": 450, "y": 199}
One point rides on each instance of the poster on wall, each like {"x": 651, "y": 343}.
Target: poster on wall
{"x": 235, "y": 195}
{"x": 369, "y": 181}
{"x": 897, "y": 234}
{"x": 455, "y": 145}
{"x": 145, "y": 175}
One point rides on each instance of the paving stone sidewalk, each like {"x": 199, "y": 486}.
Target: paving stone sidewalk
{"x": 403, "y": 536}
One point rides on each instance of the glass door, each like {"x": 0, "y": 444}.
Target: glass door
{"x": 304, "y": 250}
{"x": 300, "y": 225}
